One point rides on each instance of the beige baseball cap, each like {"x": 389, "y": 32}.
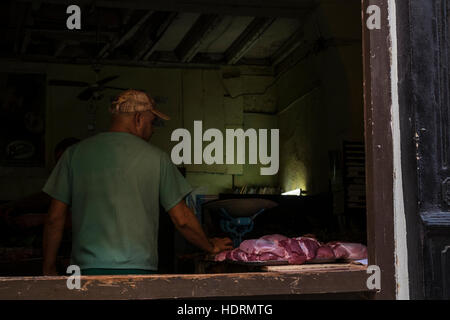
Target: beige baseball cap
{"x": 135, "y": 101}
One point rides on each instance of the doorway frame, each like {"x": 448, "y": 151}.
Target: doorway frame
{"x": 379, "y": 148}
{"x": 380, "y": 204}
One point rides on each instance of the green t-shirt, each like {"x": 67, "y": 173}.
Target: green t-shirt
{"x": 114, "y": 183}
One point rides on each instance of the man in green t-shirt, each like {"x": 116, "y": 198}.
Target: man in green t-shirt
{"x": 114, "y": 183}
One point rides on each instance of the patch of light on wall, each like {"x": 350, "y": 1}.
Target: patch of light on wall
{"x": 296, "y": 192}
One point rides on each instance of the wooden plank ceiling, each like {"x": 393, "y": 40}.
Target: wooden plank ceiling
{"x": 154, "y": 33}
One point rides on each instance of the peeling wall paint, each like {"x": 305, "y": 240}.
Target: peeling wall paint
{"x": 185, "y": 94}
{"x": 401, "y": 250}
{"x": 320, "y": 99}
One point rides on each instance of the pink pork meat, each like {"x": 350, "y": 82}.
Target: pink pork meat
{"x": 237, "y": 255}
{"x": 261, "y": 246}
{"x": 269, "y": 257}
{"x": 222, "y": 256}
{"x": 347, "y": 250}
{"x": 325, "y": 253}
{"x": 274, "y": 237}
{"x": 309, "y": 246}
{"x": 295, "y": 254}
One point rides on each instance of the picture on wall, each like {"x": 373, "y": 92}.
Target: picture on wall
{"x": 22, "y": 120}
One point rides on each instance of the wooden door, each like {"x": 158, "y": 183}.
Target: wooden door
{"x": 423, "y": 29}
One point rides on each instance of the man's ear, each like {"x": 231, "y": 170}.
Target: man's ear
{"x": 138, "y": 119}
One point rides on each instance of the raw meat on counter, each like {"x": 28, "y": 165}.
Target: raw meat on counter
{"x": 260, "y": 246}
{"x": 325, "y": 252}
{"x": 222, "y": 256}
{"x": 294, "y": 253}
{"x": 237, "y": 255}
{"x": 309, "y": 246}
{"x": 346, "y": 250}
{"x": 293, "y": 250}
{"x": 284, "y": 249}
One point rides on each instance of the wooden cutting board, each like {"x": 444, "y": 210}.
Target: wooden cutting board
{"x": 314, "y": 267}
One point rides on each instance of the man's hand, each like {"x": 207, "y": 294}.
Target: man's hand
{"x": 221, "y": 244}
{"x": 187, "y": 224}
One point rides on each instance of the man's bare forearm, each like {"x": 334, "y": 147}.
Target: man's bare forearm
{"x": 187, "y": 224}
{"x": 51, "y": 242}
{"x": 191, "y": 230}
{"x": 53, "y": 232}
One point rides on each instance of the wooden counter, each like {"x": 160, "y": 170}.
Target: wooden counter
{"x": 298, "y": 281}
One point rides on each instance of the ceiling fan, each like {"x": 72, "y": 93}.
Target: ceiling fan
{"x": 92, "y": 90}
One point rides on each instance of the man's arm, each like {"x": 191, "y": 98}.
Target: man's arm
{"x": 53, "y": 232}
{"x": 187, "y": 224}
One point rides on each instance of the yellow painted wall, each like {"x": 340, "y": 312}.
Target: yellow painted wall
{"x": 187, "y": 95}
{"x": 320, "y": 117}
{"x": 316, "y": 120}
